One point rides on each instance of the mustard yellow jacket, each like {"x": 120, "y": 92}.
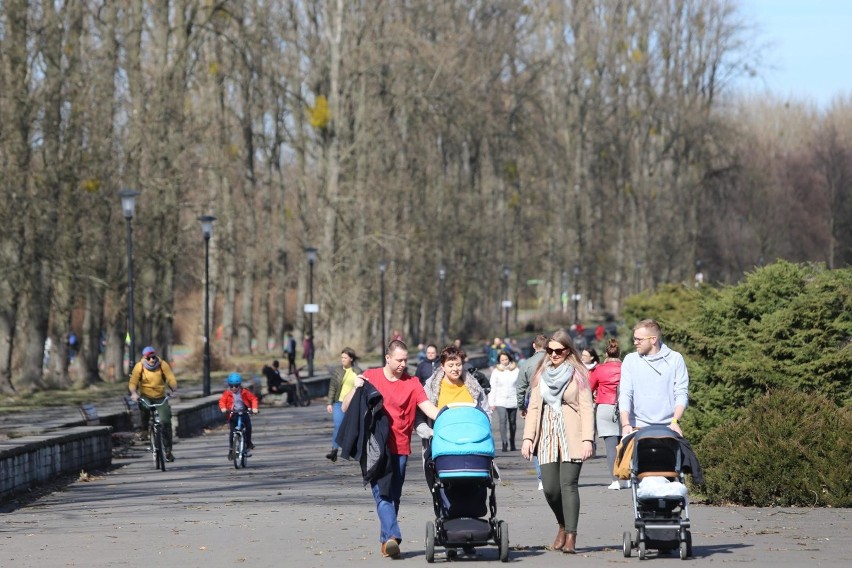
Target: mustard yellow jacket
{"x": 152, "y": 384}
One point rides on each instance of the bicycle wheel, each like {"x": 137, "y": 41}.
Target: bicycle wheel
{"x": 159, "y": 449}
{"x": 239, "y": 447}
{"x": 243, "y": 451}
{"x": 152, "y": 446}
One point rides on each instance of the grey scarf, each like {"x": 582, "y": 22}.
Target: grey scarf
{"x": 554, "y": 381}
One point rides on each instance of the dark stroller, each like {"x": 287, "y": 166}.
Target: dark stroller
{"x": 661, "y": 509}
{"x": 462, "y": 472}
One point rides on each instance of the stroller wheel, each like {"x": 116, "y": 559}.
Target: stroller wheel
{"x": 627, "y": 546}
{"x": 430, "y": 542}
{"x": 683, "y": 550}
{"x": 503, "y": 540}
{"x": 688, "y": 543}
{"x": 642, "y": 553}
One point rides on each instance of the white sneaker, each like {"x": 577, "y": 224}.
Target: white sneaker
{"x": 540, "y": 486}
{"x": 625, "y": 484}
{"x": 614, "y": 485}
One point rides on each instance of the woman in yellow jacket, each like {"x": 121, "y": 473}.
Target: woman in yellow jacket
{"x": 559, "y": 429}
{"x": 148, "y": 381}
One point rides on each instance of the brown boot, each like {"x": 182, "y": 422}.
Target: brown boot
{"x": 559, "y": 541}
{"x": 570, "y": 543}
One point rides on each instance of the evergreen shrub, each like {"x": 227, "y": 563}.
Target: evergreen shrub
{"x": 788, "y": 448}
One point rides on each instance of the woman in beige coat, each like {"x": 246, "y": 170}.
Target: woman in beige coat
{"x": 559, "y": 429}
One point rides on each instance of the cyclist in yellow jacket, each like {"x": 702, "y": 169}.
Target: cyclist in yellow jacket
{"x": 148, "y": 381}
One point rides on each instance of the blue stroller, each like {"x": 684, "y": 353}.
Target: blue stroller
{"x": 660, "y": 507}
{"x": 461, "y": 469}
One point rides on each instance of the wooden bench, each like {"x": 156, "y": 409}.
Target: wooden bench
{"x": 90, "y": 414}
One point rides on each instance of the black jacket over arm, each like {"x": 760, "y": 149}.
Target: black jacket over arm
{"x": 363, "y": 436}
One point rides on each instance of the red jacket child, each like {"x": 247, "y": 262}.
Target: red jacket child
{"x": 233, "y": 400}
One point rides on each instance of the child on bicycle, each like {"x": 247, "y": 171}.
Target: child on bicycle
{"x": 233, "y": 401}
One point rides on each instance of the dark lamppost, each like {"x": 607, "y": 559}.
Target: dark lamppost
{"x": 563, "y": 298}
{"x": 442, "y": 276}
{"x": 207, "y": 231}
{"x": 507, "y": 303}
{"x": 383, "y": 266}
{"x": 576, "y": 296}
{"x": 128, "y": 207}
{"x": 312, "y": 259}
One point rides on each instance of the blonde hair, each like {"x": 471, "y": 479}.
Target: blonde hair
{"x": 563, "y": 338}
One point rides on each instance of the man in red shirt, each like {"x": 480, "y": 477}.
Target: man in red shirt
{"x": 402, "y": 395}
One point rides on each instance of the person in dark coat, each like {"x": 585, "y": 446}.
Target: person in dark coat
{"x": 428, "y": 366}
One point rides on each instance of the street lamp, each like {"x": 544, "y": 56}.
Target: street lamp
{"x": 383, "y": 266}
{"x": 312, "y": 259}
{"x": 576, "y": 296}
{"x": 128, "y": 207}
{"x": 442, "y": 275}
{"x": 207, "y": 231}
{"x": 507, "y": 303}
{"x": 563, "y": 298}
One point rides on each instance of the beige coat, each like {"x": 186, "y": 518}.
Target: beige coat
{"x": 577, "y": 412}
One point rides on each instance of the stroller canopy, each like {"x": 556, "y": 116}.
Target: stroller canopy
{"x": 462, "y": 429}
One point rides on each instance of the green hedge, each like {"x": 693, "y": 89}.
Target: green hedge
{"x": 770, "y": 366}
{"x": 789, "y": 448}
{"x": 784, "y": 326}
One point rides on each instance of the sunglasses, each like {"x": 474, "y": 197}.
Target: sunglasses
{"x": 151, "y": 358}
{"x": 557, "y": 352}
{"x": 233, "y": 386}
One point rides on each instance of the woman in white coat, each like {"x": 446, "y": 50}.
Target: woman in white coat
{"x": 503, "y": 398}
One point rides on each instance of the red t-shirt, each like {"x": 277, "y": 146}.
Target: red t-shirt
{"x": 400, "y": 401}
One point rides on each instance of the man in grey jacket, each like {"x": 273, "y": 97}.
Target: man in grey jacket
{"x": 527, "y": 369}
{"x": 654, "y": 386}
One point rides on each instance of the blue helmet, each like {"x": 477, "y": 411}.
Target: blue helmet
{"x": 235, "y": 379}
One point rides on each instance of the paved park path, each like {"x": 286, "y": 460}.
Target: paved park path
{"x": 292, "y": 507}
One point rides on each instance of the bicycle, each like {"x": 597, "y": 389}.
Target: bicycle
{"x": 156, "y": 442}
{"x": 302, "y": 396}
{"x": 239, "y": 449}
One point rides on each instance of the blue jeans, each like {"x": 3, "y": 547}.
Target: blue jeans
{"x": 337, "y": 414}
{"x": 387, "y": 506}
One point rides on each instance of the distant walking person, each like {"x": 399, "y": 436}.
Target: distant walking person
{"x": 526, "y": 372}
{"x": 604, "y": 380}
{"x": 503, "y": 398}
{"x": 148, "y": 381}
{"x": 290, "y": 351}
{"x": 429, "y": 365}
{"x": 342, "y": 381}
{"x": 654, "y": 382}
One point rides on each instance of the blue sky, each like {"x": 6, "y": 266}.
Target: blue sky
{"x": 810, "y": 56}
